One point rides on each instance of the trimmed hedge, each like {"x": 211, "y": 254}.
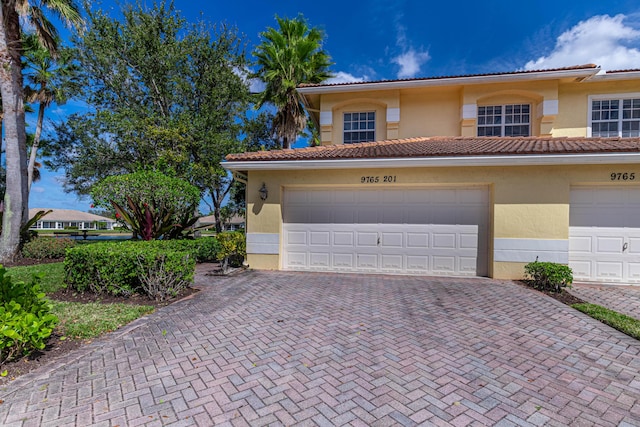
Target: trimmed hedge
{"x": 124, "y": 268}
{"x": 47, "y": 247}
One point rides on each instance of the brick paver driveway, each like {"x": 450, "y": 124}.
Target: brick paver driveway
{"x": 623, "y": 299}
{"x": 285, "y": 348}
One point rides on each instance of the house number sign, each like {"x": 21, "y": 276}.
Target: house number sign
{"x": 623, "y": 176}
{"x": 377, "y": 179}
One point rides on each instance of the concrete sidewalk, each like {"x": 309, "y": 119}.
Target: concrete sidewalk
{"x": 288, "y": 349}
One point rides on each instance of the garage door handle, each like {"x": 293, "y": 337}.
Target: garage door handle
{"x": 378, "y": 240}
{"x": 625, "y": 246}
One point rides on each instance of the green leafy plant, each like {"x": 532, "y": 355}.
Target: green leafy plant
{"x": 548, "y": 276}
{"x": 47, "y": 247}
{"x": 25, "y": 319}
{"x": 233, "y": 248}
{"x": 148, "y": 222}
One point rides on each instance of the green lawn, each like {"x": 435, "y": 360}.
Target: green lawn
{"x": 619, "y": 321}
{"x": 79, "y": 320}
{"x": 52, "y": 281}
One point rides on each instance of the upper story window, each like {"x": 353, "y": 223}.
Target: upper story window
{"x": 615, "y": 117}
{"x": 504, "y": 120}
{"x": 359, "y": 127}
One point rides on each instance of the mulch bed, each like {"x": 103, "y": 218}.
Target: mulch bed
{"x": 56, "y": 347}
{"x": 562, "y": 296}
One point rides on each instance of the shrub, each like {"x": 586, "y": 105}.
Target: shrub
{"x": 548, "y": 276}
{"x": 120, "y": 268}
{"x": 233, "y": 248}
{"x": 47, "y": 247}
{"x": 25, "y": 318}
{"x": 203, "y": 249}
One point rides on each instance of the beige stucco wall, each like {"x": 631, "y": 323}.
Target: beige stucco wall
{"x": 436, "y": 111}
{"x": 527, "y": 202}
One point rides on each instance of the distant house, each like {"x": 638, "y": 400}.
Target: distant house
{"x": 235, "y": 223}
{"x": 59, "y": 219}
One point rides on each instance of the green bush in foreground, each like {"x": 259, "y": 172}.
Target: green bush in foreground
{"x": 548, "y": 276}
{"x": 619, "y": 321}
{"x": 233, "y": 247}
{"x": 47, "y": 247}
{"x": 155, "y": 268}
{"x": 25, "y": 319}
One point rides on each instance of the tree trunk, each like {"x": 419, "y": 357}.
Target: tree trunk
{"x": 34, "y": 147}
{"x": 16, "y": 204}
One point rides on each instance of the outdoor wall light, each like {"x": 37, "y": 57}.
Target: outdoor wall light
{"x": 263, "y": 191}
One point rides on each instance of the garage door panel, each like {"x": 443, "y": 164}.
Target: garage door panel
{"x": 444, "y": 264}
{"x": 343, "y": 238}
{"x": 417, "y": 240}
{"x": 367, "y": 239}
{"x": 296, "y": 238}
{"x": 468, "y": 241}
{"x": 609, "y": 244}
{"x": 604, "y": 234}
{"x": 372, "y": 233}
{"x": 392, "y": 262}
{"x": 580, "y": 244}
{"x": 296, "y": 259}
{"x": 609, "y": 270}
{"x": 319, "y": 259}
{"x": 391, "y": 240}
{"x": 634, "y": 246}
{"x": 367, "y": 262}
{"x": 418, "y": 263}
{"x": 319, "y": 238}
{"x": 444, "y": 241}
{"x": 343, "y": 261}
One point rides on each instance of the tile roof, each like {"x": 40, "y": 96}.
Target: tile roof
{"x": 448, "y": 146}
{"x": 68, "y": 215}
{"x": 503, "y": 73}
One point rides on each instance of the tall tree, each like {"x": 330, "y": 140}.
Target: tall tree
{"x": 289, "y": 56}
{"x": 49, "y": 80}
{"x": 12, "y": 14}
{"x": 164, "y": 95}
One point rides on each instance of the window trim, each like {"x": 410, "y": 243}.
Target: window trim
{"x": 607, "y": 96}
{"x": 503, "y": 114}
{"x": 375, "y": 124}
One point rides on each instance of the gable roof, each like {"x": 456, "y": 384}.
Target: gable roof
{"x": 69, "y": 215}
{"x": 447, "y": 147}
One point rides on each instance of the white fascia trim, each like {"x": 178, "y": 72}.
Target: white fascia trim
{"x": 449, "y": 81}
{"x": 628, "y": 75}
{"x": 444, "y": 161}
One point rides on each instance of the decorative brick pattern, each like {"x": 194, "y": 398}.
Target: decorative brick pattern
{"x": 623, "y": 299}
{"x": 278, "y": 348}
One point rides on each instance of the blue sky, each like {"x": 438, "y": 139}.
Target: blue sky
{"x": 375, "y": 40}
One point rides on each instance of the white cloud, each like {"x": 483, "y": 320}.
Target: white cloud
{"x": 602, "y": 40}
{"x": 343, "y": 77}
{"x": 410, "y": 60}
{"x": 410, "y": 63}
{"x": 37, "y": 189}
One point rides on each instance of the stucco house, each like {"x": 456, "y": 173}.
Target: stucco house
{"x": 58, "y": 219}
{"x": 235, "y": 223}
{"x": 472, "y": 175}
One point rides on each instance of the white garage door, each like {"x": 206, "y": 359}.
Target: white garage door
{"x": 604, "y": 234}
{"x": 414, "y": 231}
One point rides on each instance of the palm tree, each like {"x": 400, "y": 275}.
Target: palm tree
{"x": 49, "y": 80}
{"x": 12, "y": 14}
{"x": 288, "y": 57}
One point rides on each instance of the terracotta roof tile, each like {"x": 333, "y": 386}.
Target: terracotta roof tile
{"x": 447, "y": 146}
